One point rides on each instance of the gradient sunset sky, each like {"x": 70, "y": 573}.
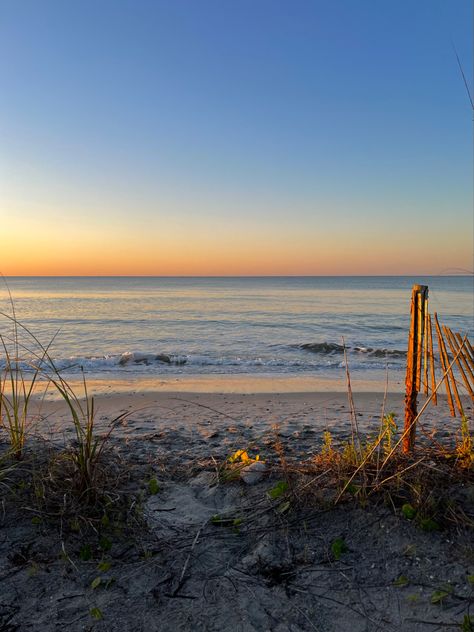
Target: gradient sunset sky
{"x": 240, "y": 137}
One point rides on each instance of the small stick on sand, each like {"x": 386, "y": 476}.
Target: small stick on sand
{"x": 186, "y": 563}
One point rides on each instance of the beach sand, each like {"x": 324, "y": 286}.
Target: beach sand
{"x": 192, "y": 425}
{"x": 257, "y": 567}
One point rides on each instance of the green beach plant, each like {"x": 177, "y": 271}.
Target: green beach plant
{"x": 388, "y": 431}
{"x": 465, "y": 447}
{"x": 7, "y": 468}
{"x": 16, "y": 390}
{"x": 467, "y": 624}
{"x": 17, "y": 387}
{"x": 86, "y": 454}
{"x": 96, "y": 613}
{"x": 338, "y": 547}
{"x": 18, "y": 380}
{"x": 153, "y": 487}
{"x": 327, "y": 450}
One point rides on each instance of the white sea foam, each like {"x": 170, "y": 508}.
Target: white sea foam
{"x": 159, "y": 363}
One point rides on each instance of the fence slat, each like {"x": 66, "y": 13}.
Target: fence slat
{"x": 445, "y": 364}
{"x": 460, "y": 360}
{"x": 429, "y": 336}
{"x": 467, "y": 349}
{"x": 425, "y": 350}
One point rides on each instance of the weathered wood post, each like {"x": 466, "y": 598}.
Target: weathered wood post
{"x": 419, "y": 299}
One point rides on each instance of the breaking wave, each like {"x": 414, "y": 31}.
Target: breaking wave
{"x": 329, "y": 348}
{"x": 298, "y": 358}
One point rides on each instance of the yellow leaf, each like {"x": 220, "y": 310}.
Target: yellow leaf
{"x": 236, "y": 456}
{"x": 243, "y": 456}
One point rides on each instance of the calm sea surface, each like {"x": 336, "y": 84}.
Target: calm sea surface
{"x": 118, "y": 326}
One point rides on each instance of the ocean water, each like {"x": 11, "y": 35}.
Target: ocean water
{"x": 116, "y": 327}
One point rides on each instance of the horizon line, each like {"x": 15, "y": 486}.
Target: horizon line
{"x": 466, "y": 273}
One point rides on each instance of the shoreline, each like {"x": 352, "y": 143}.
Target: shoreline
{"x": 232, "y": 384}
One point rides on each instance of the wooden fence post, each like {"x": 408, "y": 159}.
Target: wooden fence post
{"x": 419, "y": 298}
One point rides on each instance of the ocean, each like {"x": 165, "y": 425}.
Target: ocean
{"x": 119, "y": 327}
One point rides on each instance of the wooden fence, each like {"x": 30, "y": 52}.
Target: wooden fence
{"x": 454, "y": 357}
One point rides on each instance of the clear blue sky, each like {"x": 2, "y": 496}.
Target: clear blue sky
{"x": 252, "y": 136}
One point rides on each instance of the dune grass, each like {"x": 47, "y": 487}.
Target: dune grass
{"x": 17, "y": 385}
{"x": 28, "y": 369}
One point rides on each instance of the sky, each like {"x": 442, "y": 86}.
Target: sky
{"x": 235, "y": 137}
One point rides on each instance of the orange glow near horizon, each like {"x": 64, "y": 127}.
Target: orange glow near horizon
{"x": 47, "y": 252}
